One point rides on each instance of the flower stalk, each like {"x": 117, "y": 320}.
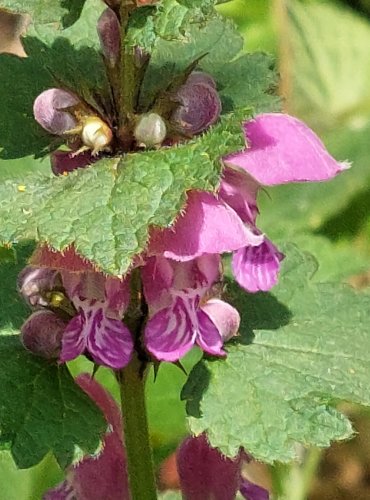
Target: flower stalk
{"x": 131, "y": 380}
{"x": 136, "y": 435}
{"x": 128, "y": 80}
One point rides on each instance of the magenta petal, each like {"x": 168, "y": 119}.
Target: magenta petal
{"x": 117, "y": 293}
{"x": 283, "y": 149}
{"x": 209, "y": 338}
{"x": 224, "y": 316}
{"x": 73, "y": 341}
{"x": 109, "y": 341}
{"x": 252, "y": 491}
{"x": 170, "y": 334}
{"x": 157, "y": 276}
{"x": 204, "y": 473}
{"x": 239, "y": 191}
{"x": 257, "y": 268}
{"x": 208, "y": 226}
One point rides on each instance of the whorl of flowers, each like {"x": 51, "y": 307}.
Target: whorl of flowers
{"x": 181, "y": 268}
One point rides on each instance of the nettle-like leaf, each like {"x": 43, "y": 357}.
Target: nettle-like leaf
{"x": 248, "y": 80}
{"x": 65, "y": 12}
{"x": 293, "y": 362}
{"x": 41, "y": 408}
{"x": 106, "y": 210}
{"x": 167, "y": 20}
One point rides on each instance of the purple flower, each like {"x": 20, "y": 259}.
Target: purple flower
{"x": 97, "y": 329}
{"x": 103, "y": 476}
{"x": 205, "y": 474}
{"x": 177, "y": 321}
{"x": 280, "y": 149}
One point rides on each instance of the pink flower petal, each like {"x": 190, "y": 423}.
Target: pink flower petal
{"x": 208, "y": 226}
{"x": 204, "y": 473}
{"x": 239, "y": 191}
{"x": 257, "y": 268}
{"x": 73, "y": 342}
{"x": 283, "y": 149}
{"x": 224, "y": 316}
{"x": 169, "y": 334}
{"x": 208, "y": 337}
{"x": 108, "y": 340}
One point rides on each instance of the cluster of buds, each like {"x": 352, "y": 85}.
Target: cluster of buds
{"x": 89, "y": 133}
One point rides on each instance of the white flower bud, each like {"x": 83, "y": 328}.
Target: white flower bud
{"x": 96, "y": 135}
{"x": 150, "y": 130}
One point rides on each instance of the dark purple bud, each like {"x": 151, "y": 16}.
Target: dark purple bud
{"x": 63, "y": 161}
{"x": 34, "y": 283}
{"x": 48, "y": 110}
{"x": 42, "y": 334}
{"x": 109, "y": 34}
{"x": 201, "y": 77}
{"x": 199, "y": 108}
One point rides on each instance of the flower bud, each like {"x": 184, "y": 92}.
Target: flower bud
{"x": 150, "y": 130}
{"x": 42, "y": 334}
{"x": 34, "y": 283}
{"x": 200, "y": 77}
{"x": 200, "y": 105}
{"x": 109, "y": 35}
{"x": 96, "y": 135}
{"x": 48, "y": 110}
{"x": 224, "y": 316}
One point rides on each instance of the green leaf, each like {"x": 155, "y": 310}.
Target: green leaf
{"x": 293, "y": 362}
{"x": 13, "y": 310}
{"x": 331, "y": 64}
{"x": 169, "y": 20}
{"x": 249, "y": 80}
{"x": 119, "y": 198}
{"x": 46, "y": 11}
{"x": 42, "y": 409}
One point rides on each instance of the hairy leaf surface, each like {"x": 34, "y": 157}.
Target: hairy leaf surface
{"x": 292, "y": 363}
{"x": 106, "y": 210}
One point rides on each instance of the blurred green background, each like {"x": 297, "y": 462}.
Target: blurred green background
{"x": 322, "y": 53}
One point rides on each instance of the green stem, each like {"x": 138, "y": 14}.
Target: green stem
{"x": 128, "y": 84}
{"x": 136, "y": 435}
{"x": 293, "y": 481}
